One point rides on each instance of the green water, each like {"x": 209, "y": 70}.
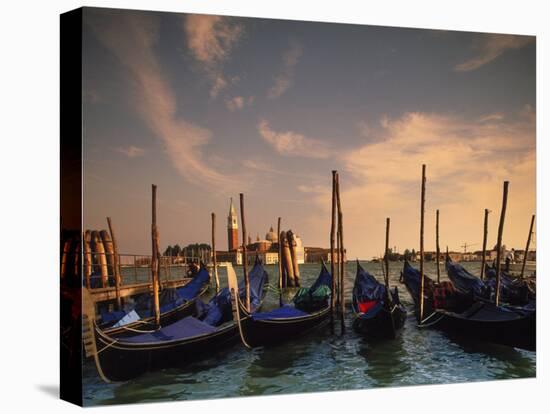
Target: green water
{"x": 323, "y": 362}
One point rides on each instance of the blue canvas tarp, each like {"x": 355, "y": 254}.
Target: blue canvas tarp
{"x": 194, "y": 287}
{"x": 169, "y": 299}
{"x": 218, "y": 310}
{"x": 465, "y": 282}
{"x": 283, "y": 312}
{"x": 367, "y": 288}
{"x": 184, "y": 328}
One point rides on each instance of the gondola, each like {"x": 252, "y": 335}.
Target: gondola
{"x": 377, "y": 313}
{"x": 478, "y": 319}
{"x": 175, "y": 304}
{"x": 513, "y": 292}
{"x": 120, "y": 358}
{"x": 310, "y": 310}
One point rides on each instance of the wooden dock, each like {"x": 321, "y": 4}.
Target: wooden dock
{"x": 109, "y": 293}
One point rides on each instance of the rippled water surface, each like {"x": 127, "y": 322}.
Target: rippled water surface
{"x": 323, "y": 362}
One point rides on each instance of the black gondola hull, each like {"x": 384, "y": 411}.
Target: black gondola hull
{"x": 383, "y": 325}
{"x": 518, "y": 332}
{"x": 120, "y": 361}
{"x": 275, "y": 331}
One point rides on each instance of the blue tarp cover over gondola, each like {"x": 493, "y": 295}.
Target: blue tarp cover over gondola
{"x": 466, "y": 282}
{"x": 411, "y": 278}
{"x": 324, "y": 279}
{"x": 282, "y": 312}
{"x": 218, "y": 310}
{"x": 366, "y": 287}
{"x": 305, "y": 297}
{"x": 169, "y": 299}
{"x": 184, "y": 328}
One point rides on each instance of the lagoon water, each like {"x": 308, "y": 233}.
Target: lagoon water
{"x": 323, "y": 362}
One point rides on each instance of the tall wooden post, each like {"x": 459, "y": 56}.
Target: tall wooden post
{"x": 245, "y": 260}
{"x": 332, "y": 241}
{"x": 109, "y": 251}
{"x": 100, "y": 258}
{"x": 422, "y": 205}
{"x": 116, "y": 264}
{"x": 279, "y": 264}
{"x": 284, "y": 275}
{"x": 341, "y": 256}
{"x": 287, "y": 260}
{"x": 214, "y": 259}
{"x": 437, "y": 244}
{"x": 499, "y": 238}
{"x": 386, "y": 258}
{"x": 155, "y": 264}
{"x": 484, "y": 259}
{"x": 527, "y": 246}
{"x": 387, "y": 276}
{"x": 87, "y": 257}
{"x": 294, "y": 258}
{"x": 337, "y": 275}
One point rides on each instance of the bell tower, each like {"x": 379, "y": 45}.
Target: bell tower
{"x": 232, "y": 228}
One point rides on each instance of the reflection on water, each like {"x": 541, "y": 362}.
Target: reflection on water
{"x": 323, "y": 362}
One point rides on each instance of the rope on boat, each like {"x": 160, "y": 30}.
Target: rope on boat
{"x": 138, "y": 330}
{"x": 106, "y": 346}
{"x": 237, "y": 305}
{"x": 273, "y": 289}
{"x": 423, "y": 323}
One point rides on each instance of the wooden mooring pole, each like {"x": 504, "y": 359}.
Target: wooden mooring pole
{"x": 499, "y": 238}
{"x": 422, "y": 205}
{"x": 245, "y": 261}
{"x": 332, "y": 242}
{"x": 485, "y": 227}
{"x": 214, "y": 259}
{"x": 386, "y": 258}
{"x": 87, "y": 257}
{"x": 341, "y": 255}
{"x": 338, "y": 249}
{"x": 284, "y": 275}
{"x": 155, "y": 256}
{"x": 279, "y": 264}
{"x": 387, "y": 276}
{"x": 437, "y": 244}
{"x": 527, "y": 246}
{"x": 100, "y": 258}
{"x": 116, "y": 264}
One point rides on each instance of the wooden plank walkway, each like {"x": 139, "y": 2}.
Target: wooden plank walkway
{"x": 109, "y": 293}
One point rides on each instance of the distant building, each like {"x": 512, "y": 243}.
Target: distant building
{"x": 232, "y": 228}
{"x": 519, "y": 255}
{"x": 266, "y": 249}
{"x": 318, "y": 254}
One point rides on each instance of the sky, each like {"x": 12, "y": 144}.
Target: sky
{"x": 207, "y": 107}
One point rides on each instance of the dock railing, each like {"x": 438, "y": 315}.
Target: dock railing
{"x": 133, "y": 269}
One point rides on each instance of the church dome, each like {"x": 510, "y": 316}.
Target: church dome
{"x": 271, "y": 235}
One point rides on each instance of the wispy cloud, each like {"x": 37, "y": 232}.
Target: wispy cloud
{"x": 497, "y": 116}
{"x": 211, "y": 39}
{"x": 293, "y": 144}
{"x": 131, "y": 38}
{"x": 237, "y": 103}
{"x": 284, "y": 80}
{"x": 131, "y": 151}
{"x": 467, "y": 161}
{"x": 491, "y": 47}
